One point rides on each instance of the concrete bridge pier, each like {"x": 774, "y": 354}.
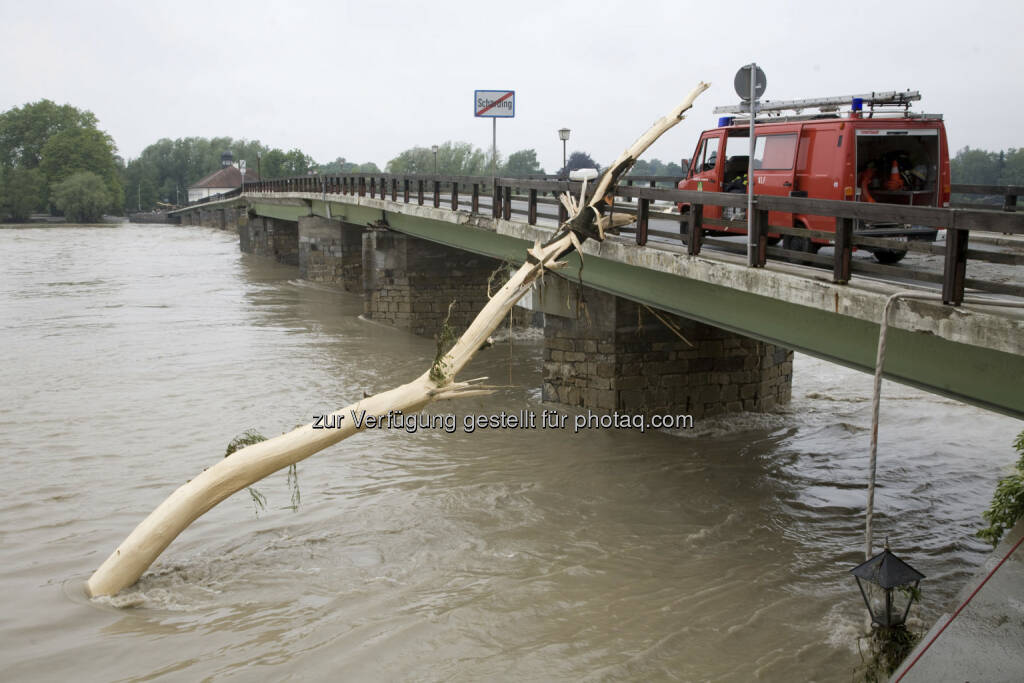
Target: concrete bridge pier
{"x": 273, "y": 237}
{"x": 222, "y": 218}
{"x": 410, "y": 283}
{"x": 617, "y": 355}
{"x": 331, "y": 251}
{"x": 233, "y": 218}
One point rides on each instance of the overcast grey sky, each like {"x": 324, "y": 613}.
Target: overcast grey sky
{"x": 366, "y": 80}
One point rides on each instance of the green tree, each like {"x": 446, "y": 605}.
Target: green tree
{"x": 58, "y": 140}
{"x": 521, "y": 164}
{"x": 82, "y": 196}
{"x": 25, "y": 130}
{"x": 24, "y": 192}
{"x": 76, "y": 150}
{"x": 641, "y": 167}
{"x": 278, "y": 164}
{"x": 1012, "y": 172}
{"x": 1007, "y": 506}
{"x": 656, "y": 167}
{"x": 416, "y": 160}
{"x": 339, "y": 165}
{"x": 975, "y": 167}
{"x": 578, "y": 160}
{"x": 453, "y": 158}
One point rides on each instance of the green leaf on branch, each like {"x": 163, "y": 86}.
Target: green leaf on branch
{"x": 293, "y": 486}
{"x": 1007, "y": 506}
{"x": 248, "y": 438}
{"x": 445, "y": 341}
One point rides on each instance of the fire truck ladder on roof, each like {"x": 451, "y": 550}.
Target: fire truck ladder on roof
{"x": 891, "y": 98}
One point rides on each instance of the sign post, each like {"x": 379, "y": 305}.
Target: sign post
{"x": 750, "y": 83}
{"x": 494, "y": 104}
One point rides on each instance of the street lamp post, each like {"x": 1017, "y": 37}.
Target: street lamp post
{"x": 259, "y": 171}
{"x": 434, "y": 148}
{"x": 563, "y": 135}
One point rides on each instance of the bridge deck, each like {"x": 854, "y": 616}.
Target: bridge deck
{"x": 973, "y": 353}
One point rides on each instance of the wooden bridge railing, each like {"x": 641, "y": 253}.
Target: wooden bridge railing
{"x": 1007, "y": 193}
{"x": 466, "y": 192}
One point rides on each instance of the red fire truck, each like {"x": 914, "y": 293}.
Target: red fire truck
{"x": 876, "y": 151}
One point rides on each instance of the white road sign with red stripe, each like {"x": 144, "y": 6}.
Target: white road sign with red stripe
{"x": 499, "y": 104}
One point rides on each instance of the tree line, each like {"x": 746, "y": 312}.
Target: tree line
{"x": 54, "y": 158}
{"x": 981, "y": 167}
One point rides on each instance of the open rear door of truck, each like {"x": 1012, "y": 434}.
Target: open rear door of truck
{"x": 903, "y": 164}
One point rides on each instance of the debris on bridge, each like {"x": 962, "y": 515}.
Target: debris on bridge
{"x": 589, "y": 217}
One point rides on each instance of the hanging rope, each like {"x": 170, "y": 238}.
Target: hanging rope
{"x": 877, "y": 393}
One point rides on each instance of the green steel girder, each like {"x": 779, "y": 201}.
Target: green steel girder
{"x": 285, "y": 212}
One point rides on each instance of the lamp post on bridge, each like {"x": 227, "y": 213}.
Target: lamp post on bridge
{"x": 563, "y": 135}
{"x": 434, "y": 148}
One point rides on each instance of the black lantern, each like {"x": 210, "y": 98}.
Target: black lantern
{"x": 891, "y": 587}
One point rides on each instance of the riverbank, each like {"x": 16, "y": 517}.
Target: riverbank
{"x": 980, "y": 637}
{"x": 42, "y": 219}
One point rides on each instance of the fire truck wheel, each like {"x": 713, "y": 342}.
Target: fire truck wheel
{"x": 804, "y": 244}
{"x": 888, "y": 256}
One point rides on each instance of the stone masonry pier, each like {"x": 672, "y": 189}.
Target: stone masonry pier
{"x": 410, "y": 283}
{"x": 331, "y": 251}
{"x": 273, "y": 237}
{"x": 612, "y": 354}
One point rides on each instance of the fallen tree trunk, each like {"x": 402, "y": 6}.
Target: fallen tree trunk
{"x": 247, "y": 466}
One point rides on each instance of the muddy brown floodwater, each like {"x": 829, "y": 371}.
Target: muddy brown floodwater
{"x": 133, "y": 354}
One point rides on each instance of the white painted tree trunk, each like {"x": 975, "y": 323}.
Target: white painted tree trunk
{"x": 247, "y": 466}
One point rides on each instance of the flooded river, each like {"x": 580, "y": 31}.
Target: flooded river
{"x": 133, "y": 354}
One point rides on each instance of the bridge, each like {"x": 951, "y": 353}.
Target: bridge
{"x": 666, "y": 317}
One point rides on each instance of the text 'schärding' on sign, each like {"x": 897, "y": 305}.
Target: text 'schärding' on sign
{"x": 494, "y": 103}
